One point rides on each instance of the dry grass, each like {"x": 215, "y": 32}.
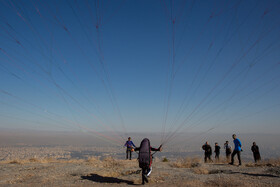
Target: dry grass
{"x": 111, "y": 167}
{"x": 229, "y": 182}
{"x": 107, "y": 162}
{"x": 191, "y": 183}
{"x": 16, "y": 162}
{"x": 95, "y": 161}
{"x": 33, "y": 160}
{"x": 110, "y": 162}
{"x": 222, "y": 160}
{"x": 270, "y": 163}
{"x": 43, "y": 160}
{"x": 201, "y": 170}
{"x": 72, "y": 161}
{"x": 110, "y": 173}
{"x": 40, "y": 160}
{"x": 152, "y": 180}
{"x": 187, "y": 163}
{"x": 131, "y": 172}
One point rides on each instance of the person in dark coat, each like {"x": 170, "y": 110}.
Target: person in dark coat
{"x": 207, "y": 152}
{"x": 145, "y": 158}
{"x": 217, "y": 151}
{"x": 256, "y": 152}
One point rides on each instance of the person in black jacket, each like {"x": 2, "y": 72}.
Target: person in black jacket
{"x": 207, "y": 152}
{"x": 217, "y": 151}
{"x": 256, "y": 152}
{"x": 145, "y": 158}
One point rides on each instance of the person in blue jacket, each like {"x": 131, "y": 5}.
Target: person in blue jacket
{"x": 237, "y": 149}
{"x": 129, "y": 147}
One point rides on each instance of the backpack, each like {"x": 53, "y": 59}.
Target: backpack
{"x": 144, "y": 153}
{"x": 228, "y": 150}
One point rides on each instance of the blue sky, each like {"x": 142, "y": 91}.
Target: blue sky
{"x": 159, "y": 66}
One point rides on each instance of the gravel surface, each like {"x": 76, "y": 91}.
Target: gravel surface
{"x": 123, "y": 173}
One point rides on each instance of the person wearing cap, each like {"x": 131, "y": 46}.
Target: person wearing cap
{"x": 237, "y": 149}
{"x": 129, "y": 147}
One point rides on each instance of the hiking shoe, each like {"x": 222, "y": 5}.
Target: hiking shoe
{"x": 149, "y": 171}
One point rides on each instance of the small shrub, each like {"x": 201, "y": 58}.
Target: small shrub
{"x": 165, "y": 159}
{"x": 201, "y": 170}
{"x": 93, "y": 159}
{"x": 250, "y": 164}
{"x": 15, "y": 162}
{"x": 33, "y": 160}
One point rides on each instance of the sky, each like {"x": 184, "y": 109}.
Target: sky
{"x": 124, "y": 66}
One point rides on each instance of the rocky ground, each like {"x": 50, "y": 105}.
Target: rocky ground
{"x": 107, "y": 172}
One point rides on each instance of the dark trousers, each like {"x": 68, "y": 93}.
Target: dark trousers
{"x": 144, "y": 175}
{"x": 207, "y": 156}
{"x": 228, "y": 156}
{"x": 217, "y": 156}
{"x": 238, "y": 156}
{"x": 128, "y": 152}
{"x": 257, "y": 157}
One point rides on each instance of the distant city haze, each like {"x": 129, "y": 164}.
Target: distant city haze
{"x": 67, "y": 145}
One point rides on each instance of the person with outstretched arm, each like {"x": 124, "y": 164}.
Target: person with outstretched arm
{"x": 237, "y": 149}
{"x": 129, "y": 147}
{"x": 145, "y": 158}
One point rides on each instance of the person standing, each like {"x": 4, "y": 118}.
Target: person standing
{"x": 256, "y": 152}
{"x": 207, "y": 152}
{"x": 237, "y": 149}
{"x": 145, "y": 158}
{"x": 228, "y": 149}
{"x": 129, "y": 147}
{"x": 217, "y": 151}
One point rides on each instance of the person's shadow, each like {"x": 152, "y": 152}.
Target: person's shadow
{"x": 257, "y": 175}
{"x": 100, "y": 179}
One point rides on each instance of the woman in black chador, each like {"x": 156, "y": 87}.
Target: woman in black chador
{"x": 256, "y": 152}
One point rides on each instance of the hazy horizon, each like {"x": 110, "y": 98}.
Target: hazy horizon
{"x": 185, "y": 145}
